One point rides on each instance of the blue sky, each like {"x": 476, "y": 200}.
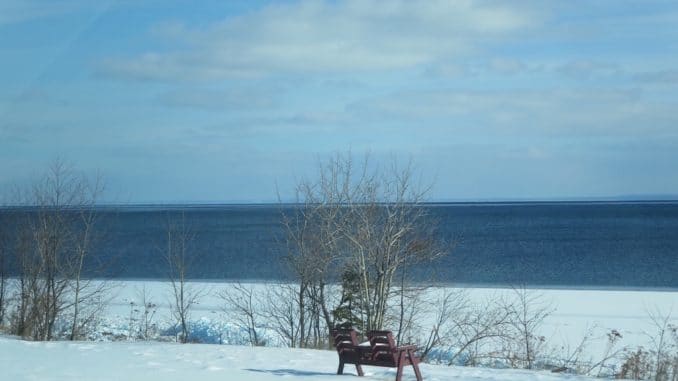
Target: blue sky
{"x": 225, "y": 101}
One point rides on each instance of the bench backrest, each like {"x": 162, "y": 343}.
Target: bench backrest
{"x": 383, "y": 346}
{"x": 346, "y": 342}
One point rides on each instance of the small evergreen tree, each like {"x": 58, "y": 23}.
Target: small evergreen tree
{"x": 348, "y": 313}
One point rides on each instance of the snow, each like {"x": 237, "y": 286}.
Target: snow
{"x": 148, "y": 361}
{"x": 574, "y": 312}
{"x": 115, "y": 355}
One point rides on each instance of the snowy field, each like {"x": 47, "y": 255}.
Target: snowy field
{"x": 116, "y": 355}
{"x": 149, "y": 361}
{"x": 574, "y": 311}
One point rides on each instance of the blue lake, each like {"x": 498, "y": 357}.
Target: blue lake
{"x": 587, "y": 244}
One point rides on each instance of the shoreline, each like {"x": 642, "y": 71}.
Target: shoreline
{"x": 497, "y": 286}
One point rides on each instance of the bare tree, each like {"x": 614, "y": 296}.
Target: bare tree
{"x": 52, "y": 227}
{"x": 242, "y": 305}
{"x": 55, "y": 224}
{"x": 497, "y": 329}
{"x": 88, "y": 296}
{"x": 21, "y": 321}
{"x": 3, "y": 268}
{"x": 180, "y": 258}
{"x": 409, "y": 311}
{"x": 362, "y": 221}
{"x": 610, "y": 352}
{"x": 56, "y": 256}
{"x": 465, "y": 333}
{"x": 314, "y": 244}
{"x": 526, "y": 311}
{"x": 446, "y": 307}
{"x": 664, "y": 346}
{"x": 281, "y": 312}
{"x": 658, "y": 362}
{"x": 142, "y": 313}
{"x": 481, "y": 330}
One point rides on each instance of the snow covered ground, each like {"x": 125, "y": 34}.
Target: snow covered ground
{"x": 574, "y": 312}
{"x": 149, "y": 361}
{"x": 116, "y": 356}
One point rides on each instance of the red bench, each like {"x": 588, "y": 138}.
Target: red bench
{"x": 382, "y": 351}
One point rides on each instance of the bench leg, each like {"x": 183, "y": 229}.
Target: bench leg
{"x": 415, "y": 365}
{"x": 358, "y": 368}
{"x": 399, "y": 373}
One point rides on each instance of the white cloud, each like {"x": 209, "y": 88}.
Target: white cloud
{"x": 16, "y": 11}
{"x": 318, "y": 36}
{"x": 659, "y": 76}
{"x": 218, "y": 100}
{"x": 523, "y": 113}
{"x": 507, "y": 65}
{"x": 588, "y": 69}
{"x": 502, "y": 66}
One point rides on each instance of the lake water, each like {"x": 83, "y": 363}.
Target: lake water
{"x": 624, "y": 244}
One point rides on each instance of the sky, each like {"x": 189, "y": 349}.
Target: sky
{"x": 236, "y": 101}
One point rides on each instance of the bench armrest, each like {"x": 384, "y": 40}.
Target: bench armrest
{"x": 407, "y": 347}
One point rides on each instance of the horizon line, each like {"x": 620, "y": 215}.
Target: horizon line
{"x": 207, "y": 204}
